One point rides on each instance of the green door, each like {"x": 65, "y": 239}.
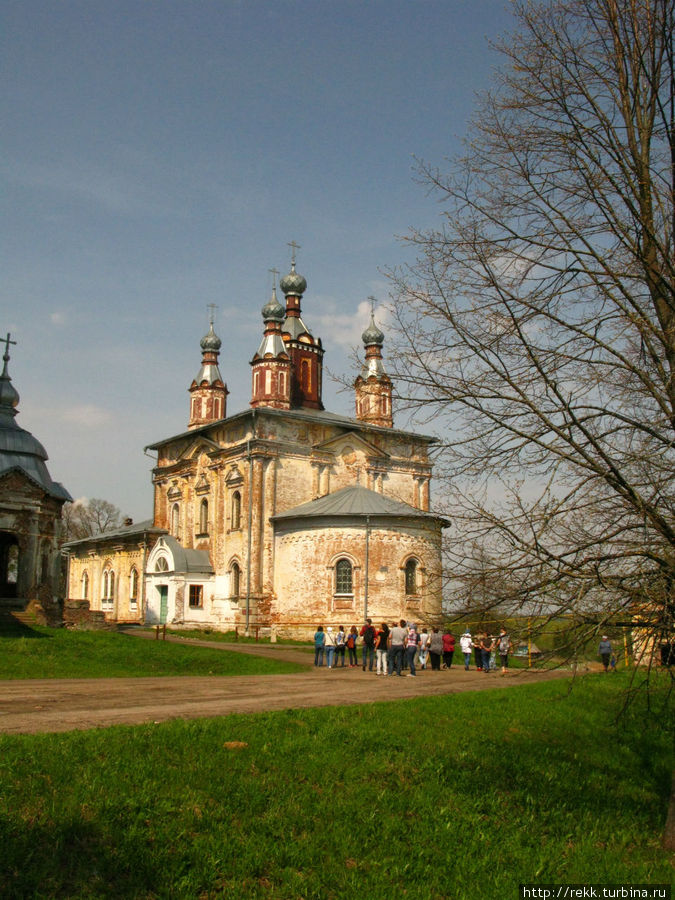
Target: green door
{"x": 163, "y": 603}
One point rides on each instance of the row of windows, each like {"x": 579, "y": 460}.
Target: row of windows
{"x": 344, "y": 577}
{"x": 108, "y": 587}
{"x": 235, "y": 515}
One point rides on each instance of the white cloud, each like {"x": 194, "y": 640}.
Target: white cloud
{"x": 88, "y": 415}
{"x": 345, "y": 329}
{"x": 57, "y": 318}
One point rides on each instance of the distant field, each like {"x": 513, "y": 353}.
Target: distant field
{"x": 456, "y": 797}
{"x": 58, "y": 653}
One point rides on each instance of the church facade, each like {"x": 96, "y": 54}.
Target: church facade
{"x": 284, "y": 515}
{"x": 30, "y": 514}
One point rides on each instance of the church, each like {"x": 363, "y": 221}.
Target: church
{"x": 30, "y": 515}
{"x": 280, "y": 517}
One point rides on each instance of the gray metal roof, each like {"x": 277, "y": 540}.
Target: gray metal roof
{"x": 346, "y": 422}
{"x": 356, "y": 501}
{"x": 138, "y": 528}
{"x": 19, "y": 450}
{"x": 187, "y": 561}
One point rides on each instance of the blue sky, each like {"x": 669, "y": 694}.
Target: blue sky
{"x": 159, "y": 156}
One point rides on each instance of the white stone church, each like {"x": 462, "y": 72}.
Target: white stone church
{"x": 282, "y": 516}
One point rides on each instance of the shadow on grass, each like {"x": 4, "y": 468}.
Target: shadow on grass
{"x": 15, "y": 628}
{"x": 74, "y": 859}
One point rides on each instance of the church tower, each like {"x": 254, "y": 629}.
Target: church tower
{"x": 373, "y": 386}
{"x": 208, "y": 391}
{"x": 271, "y": 364}
{"x": 305, "y": 351}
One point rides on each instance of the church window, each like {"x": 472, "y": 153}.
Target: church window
{"x": 306, "y": 375}
{"x": 343, "y": 577}
{"x": 108, "y": 589}
{"x": 44, "y": 562}
{"x": 411, "y": 576}
{"x": 175, "y": 518}
{"x": 236, "y": 511}
{"x": 162, "y": 565}
{"x": 133, "y": 588}
{"x": 85, "y": 585}
{"x": 268, "y": 381}
{"x": 196, "y": 596}
{"x": 235, "y": 575}
{"x": 204, "y": 517}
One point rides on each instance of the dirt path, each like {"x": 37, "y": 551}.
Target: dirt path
{"x": 51, "y": 705}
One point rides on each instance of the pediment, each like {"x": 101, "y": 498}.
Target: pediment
{"x": 344, "y": 442}
{"x": 194, "y": 449}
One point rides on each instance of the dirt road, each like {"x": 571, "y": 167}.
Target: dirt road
{"x": 51, "y": 705}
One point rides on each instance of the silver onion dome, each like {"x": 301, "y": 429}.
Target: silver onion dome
{"x": 293, "y": 283}
{"x": 273, "y": 310}
{"x": 211, "y": 341}
{"x": 372, "y": 334}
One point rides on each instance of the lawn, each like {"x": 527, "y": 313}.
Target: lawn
{"x": 452, "y": 797}
{"x": 58, "y": 653}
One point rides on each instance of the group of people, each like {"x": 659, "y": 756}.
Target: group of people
{"x": 389, "y": 649}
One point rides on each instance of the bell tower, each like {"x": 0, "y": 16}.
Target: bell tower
{"x": 208, "y": 391}
{"x": 305, "y": 351}
{"x": 373, "y": 386}
{"x": 271, "y": 364}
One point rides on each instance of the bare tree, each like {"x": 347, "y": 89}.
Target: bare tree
{"x": 538, "y": 324}
{"x": 85, "y": 518}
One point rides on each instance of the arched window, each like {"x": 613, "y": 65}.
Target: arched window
{"x": 411, "y": 576}
{"x": 107, "y": 588}
{"x": 306, "y": 375}
{"x": 162, "y": 565}
{"x": 175, "y": 517}
{"x": 236, "y": 579}
{"x": 133, "y": 587}
{"x": 236, "y": 511}
{"x": 204, "y": 517}
{"x": 343, "y": 577}
{"x": 85, "y": 585}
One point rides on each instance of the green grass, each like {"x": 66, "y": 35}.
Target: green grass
{"x": 57, "y": 653}
{"x": 452, "y": 797}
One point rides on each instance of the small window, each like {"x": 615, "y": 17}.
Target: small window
{"x": 411, "y": 576}
{"x": 343, "y": 577}
{"x": 85, "y": 585}
{"x": 196, "y": 596}
{"x": 133, "y": 588}
{"x": 204, "y": 517}
{"x": 236, "y": 511}
{"x": 236, "y": 579}
{"x": 108, "y": 589}
{"x": 175, "y": 519}
{"x": 162, "y": 565}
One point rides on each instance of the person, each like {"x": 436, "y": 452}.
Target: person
{"x": 435, "y": 649}
{"x": 319, "y": 641}
{"x": 340, "y": 646}
{"x": 411, "y": 642}
{"x": 504, "y": 646}
{"x": 397, "y": 636}
{"x": 486, "y": 645}
{"x": 605, "y": 651}
{"x": 478, "y": 652}
{"x": 423, "y": 654}
{"x": 329, "y": 644}
{"x": 381, "y": 650}
{"x": 466, "y": 646}
{"x": 448, "y": 648}
{"x": 352, "y": 639}
{"x": 367, "y": 635}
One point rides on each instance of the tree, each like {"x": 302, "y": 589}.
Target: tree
{"x": 84, "y": 518}
{"x": 538, "y": 323}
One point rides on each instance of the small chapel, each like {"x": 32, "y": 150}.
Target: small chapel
{"x": 280, "y": 517}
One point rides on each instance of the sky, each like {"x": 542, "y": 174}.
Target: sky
{"x": 160, "y": 155}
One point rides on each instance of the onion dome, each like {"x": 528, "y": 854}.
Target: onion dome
{"x": 293, "y": 283}
{"x": 211, "y": 341}
{"x": 9, "y": 396}
{"x": 372, "y": 334}
{"x": 273, "y": 310}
